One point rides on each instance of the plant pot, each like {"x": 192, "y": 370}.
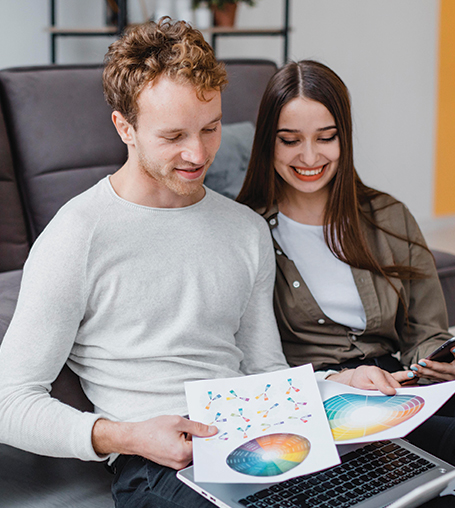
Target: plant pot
{"x": 224, "y": 16}
{"x": 111, "y": 13}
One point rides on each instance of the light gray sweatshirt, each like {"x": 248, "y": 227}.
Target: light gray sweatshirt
{"x": 137, "y": 300}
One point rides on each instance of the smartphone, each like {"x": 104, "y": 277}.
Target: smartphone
{"x": 442, "y": 353}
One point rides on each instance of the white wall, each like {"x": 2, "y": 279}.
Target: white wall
{"x": 385, "y": 51}
{"x": 22, "y": 37}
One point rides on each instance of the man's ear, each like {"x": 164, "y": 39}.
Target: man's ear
{"x": 125, "y": 129}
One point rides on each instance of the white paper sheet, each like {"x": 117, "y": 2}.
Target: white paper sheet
{"x": 272, "y": 427}
{"x": 361, "y": 416}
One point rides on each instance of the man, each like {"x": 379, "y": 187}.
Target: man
{"x": 143, "y": 282}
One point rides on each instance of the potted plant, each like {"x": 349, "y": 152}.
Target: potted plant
{"x": 223, "y": 10}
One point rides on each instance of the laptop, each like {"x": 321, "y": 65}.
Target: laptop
{"x": 380, "y": 474}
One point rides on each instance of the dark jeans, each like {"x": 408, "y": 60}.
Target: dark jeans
{"x": 437, "y": 434}
{"x": 140, "y": 483}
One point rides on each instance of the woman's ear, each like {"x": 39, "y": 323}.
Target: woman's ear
{"x": 124, "y": 128}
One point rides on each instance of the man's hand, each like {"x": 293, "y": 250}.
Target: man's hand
{"x": 165, "y": 440}
{"x": 435, "y": 371}
{"x": 369, "y": 377}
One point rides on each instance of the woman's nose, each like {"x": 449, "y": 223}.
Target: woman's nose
{"x": 309, "y": 155}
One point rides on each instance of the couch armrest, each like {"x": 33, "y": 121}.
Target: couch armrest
{"x": 445, "y": 266}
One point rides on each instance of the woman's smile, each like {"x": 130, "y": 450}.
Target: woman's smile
{"x": 309, "y": 174}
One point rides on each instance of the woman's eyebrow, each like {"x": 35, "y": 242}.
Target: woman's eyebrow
{"x": 293, "y": 131}
{"x": 287, "y": 130}
{"x": 328, "y": 128}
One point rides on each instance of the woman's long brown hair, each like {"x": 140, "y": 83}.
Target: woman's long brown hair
{"x": 263, "y": 187}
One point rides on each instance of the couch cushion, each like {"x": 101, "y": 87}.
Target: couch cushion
{"x": 29, "y": 480}
{"x": 62, "y": 137}
{"x": 227, "y": 172}
{"x": 13, "y": 232}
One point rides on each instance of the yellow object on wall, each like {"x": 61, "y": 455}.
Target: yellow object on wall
{"x": 444, "y": 197}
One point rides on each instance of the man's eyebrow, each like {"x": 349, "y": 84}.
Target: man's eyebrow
{"x": 294, "y": 131}
{"x": 172, "y": 131}
{"x": 217, "y": 119}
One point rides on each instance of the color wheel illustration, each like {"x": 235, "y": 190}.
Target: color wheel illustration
{"x": 352, "y": 415}
{"x": 269, "y": 455}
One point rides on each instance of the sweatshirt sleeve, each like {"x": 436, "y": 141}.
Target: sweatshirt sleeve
{"x": 38, "y": 342}
{"x": 258, "y": 336}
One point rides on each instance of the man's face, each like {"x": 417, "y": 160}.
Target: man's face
{"x": 176, "y": 138}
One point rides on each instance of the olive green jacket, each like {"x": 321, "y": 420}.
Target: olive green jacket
{"x": 309, "y": 336}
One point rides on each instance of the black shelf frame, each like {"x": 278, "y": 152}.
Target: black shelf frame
{"x": 122, "y": 20}
{"x": 109, "y": 31}
{"x": 215, "y": 33}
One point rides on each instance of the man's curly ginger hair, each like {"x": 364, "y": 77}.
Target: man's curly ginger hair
{"x": 173, "y": 49}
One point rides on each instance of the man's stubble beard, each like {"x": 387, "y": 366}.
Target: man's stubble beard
{"x": 171, "y": 180}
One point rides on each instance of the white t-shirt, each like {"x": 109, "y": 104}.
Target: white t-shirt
{"x": 329, "y": 280}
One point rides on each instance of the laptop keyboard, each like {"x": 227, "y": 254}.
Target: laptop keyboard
{"x": 364, "y": 473}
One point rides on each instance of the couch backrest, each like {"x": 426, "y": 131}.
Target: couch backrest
{"x": 247, "y": 82}
{"x": 13, "y": 232}
{"x": 62, "y": 137}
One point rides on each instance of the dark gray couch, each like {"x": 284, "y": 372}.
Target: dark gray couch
{"x": 57, "y": 140}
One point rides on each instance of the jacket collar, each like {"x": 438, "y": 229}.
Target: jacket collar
{"x": 271, "y": 216}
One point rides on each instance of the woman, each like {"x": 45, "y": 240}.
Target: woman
{"x": 355, "y": 282}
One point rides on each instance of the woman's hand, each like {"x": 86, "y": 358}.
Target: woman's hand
{"x": 435, "y": 371}
{"x": 369, "y": 377}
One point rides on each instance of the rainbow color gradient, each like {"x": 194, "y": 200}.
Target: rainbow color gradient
{"x": 352, "y": 415}
{"x": 269, "y": 455}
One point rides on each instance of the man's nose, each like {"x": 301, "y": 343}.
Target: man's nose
{"x": 194, "y": 151}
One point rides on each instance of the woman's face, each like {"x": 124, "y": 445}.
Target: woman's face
{"x": 307, "y": 148}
